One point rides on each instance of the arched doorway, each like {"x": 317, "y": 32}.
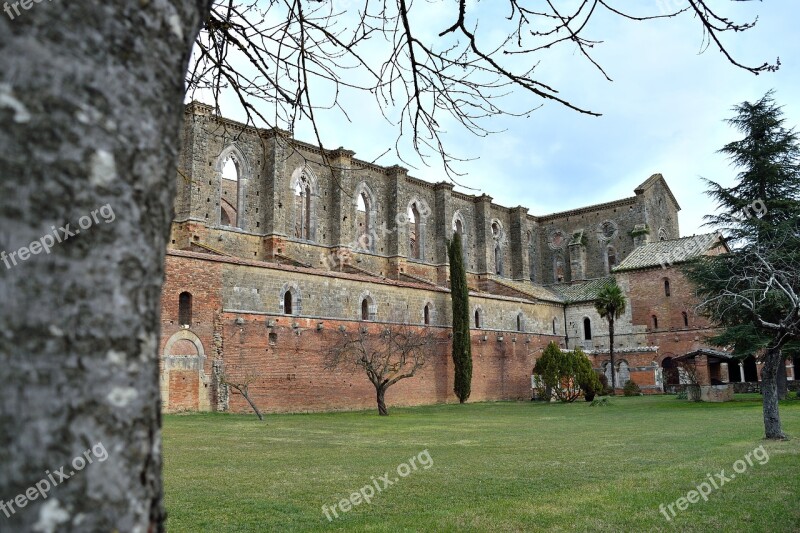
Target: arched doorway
{"x": 671, "y": 374}
{"x": 183, "y": 384}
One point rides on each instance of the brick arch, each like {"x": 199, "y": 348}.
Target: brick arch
{"x": 182, "y": 377}
{"x": 245, "y": 173}
{"x": 230, "y": 213}
{"x": 180, "y": 338}
{"x": 669, "y": 370}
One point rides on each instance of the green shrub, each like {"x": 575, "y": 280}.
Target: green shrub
{"x": 631, "y": 389}
{"x": 682, "y": 395}
{"x": 566, "y": 374}
{"x": 592, "y": 386}
{"x": 602, "y": 402}
{"x": 605, "y": 390}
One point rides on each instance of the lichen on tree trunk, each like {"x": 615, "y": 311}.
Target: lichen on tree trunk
{"x": 769, "y": 390}
{"x": 91, "y": 101}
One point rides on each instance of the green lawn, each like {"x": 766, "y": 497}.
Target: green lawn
{"x": 504, "y": 466}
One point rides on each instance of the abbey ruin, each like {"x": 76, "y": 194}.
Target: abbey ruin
{"x": 277, "y": 244}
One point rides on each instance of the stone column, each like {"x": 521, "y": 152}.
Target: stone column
{"x": 520, "y": 267}
{"x": 397, "y": 234}
{"x": 484, "y": 245}
{"x": 442, "y": 227}
{"x": 724, "y": 375}
{"x": 341, "y": 213}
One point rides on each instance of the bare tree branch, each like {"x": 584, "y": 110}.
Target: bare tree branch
{"x": 271, "y": 54}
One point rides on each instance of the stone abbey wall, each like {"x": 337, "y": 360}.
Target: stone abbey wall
{"x": 278, "y": 224}
{"x": 237, "y": 320}
{"x": 263, "y": 270}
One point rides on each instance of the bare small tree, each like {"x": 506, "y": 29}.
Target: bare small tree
{"x": 687, "y": 375}
{"x": 388, "y": 355}
{"x": 240, "y": 378}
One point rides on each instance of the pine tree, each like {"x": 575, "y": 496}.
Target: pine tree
{"x": 462, "y": 346}
{"x": 767, "y": 193}
{"x": 751, "y": 291}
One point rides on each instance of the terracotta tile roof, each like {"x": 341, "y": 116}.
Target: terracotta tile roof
{"x": 582, "y": 291}
{"x": 529, "y": 289}
{"x": 669, "y": 252}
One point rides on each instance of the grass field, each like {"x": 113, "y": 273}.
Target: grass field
{"x": 494, "y": 467}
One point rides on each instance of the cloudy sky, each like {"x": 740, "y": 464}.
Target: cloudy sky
{"x": 664, "y": 111}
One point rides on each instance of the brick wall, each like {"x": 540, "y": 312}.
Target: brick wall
{"x": 286, "y": 354}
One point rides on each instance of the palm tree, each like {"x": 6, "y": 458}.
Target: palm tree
{"x": 610, "y": 304}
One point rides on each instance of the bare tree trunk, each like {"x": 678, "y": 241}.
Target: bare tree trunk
{"x": 783, "y": 382}
{"x": 90, "y": 106}
{"x": 246, "y": 395}
{"x": 611, "y": 355}
{"x": 381, "y": 393}
{"x": 769, "y": 391}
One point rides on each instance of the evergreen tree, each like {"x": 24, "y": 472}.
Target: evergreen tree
{"x": 766, "y": 196}
{"x": 462, "y": 346}
{"x": 751, "y": 291}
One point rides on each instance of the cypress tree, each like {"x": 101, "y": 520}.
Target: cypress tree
{"x": 462, "y": 346}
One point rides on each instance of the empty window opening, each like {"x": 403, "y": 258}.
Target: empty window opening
{"x": 364, "y": 224}
{"x": 414, "y": 233}
{"x": 229, "y": 193}
{"x": 302, "y": 209}
{"x": 612, "y": 258}
{"x": 185, "y": 309}
{"x": 287, "y": 303}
